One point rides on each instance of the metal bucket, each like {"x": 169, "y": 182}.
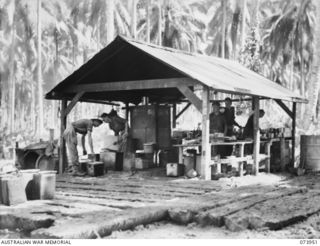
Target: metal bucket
{"x": 309, "y": 154}
{"x": 148, "y": 148}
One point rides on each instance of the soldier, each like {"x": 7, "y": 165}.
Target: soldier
{"x": 218, "y": 122}
{"x": 119, "y": 126}
{"x": 229, "y": 116}
{"x": 82, "y": 127}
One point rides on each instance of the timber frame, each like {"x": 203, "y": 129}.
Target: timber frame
{"x": 202, "y": 105}
{"x": 128, "y": 71}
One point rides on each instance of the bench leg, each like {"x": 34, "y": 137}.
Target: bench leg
{"x": 218, "y": 167}
{"x": 180, "y": 155}
{"x": 241, "y": 168}
{"x": 268, "y": 152}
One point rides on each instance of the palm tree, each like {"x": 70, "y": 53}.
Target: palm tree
{"x": 12, "y": 81}
{"x": 223, "y": 28}
{"x": 39, "y": 75}
{"x": 287, "y": 38}
{"x": 315, "y": 70}
{"x": 110, "y": 20}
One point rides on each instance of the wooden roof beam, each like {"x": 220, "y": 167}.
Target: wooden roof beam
{"x": 185, "y": 90}
{"x": 183, "y": 110}
{"x": 132, "y": 85}
{"x": 285, "y": 108}
{"x": 74, "y": 101}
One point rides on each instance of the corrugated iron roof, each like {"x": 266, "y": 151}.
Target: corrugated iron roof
{"x": 220, "y": 74}
{"x": 146, "y": 61}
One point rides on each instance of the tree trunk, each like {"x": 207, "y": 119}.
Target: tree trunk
{"x": 40, "y": 89}
{"x": 234, "y": 29}
{"x": 110, "y": 20}
{"x": 310, "y": 114}
{"x": 243, "y": 23}
{"x": 134, "y": 19}
{"x": 148, "y": 21}
{"x": 291, "y": 82}
{"x": 159, "y": 25}
{"x": 255, "y": 22}
{"x": 33, "y": 108}
{"x": 223, "y": 28}
{"x": 12, "y": 82}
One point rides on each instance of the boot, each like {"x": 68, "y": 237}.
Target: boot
{"x": 75, "y": 171}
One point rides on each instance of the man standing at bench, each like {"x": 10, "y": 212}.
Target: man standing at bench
{"x": 218, "y": 124}
{"x": 82, "y": 127}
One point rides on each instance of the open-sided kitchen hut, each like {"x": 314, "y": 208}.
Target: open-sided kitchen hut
{"x": 127, "y": 71}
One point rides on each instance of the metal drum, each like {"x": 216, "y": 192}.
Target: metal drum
{"x": 309, "y": 154}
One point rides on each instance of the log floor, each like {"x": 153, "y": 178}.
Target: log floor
{"x": 87, "y": 207}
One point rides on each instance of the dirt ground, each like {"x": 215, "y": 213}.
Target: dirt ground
{"x": 165, "y": 230}
{"x": 113, "y": 189}
{"x": 306, "y": 229}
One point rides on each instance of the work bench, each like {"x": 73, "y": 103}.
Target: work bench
{"x": 241, "y": 158}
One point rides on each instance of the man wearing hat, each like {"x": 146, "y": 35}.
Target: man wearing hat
{"x": 83, "y": 127}
{"x": 118, "y": 125}
{"x": 218, "y": 122}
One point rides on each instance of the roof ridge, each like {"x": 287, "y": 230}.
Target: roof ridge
{"x": 163, "y": 47}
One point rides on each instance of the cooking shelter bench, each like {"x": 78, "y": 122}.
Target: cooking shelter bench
{"x": 137, "y": 73}
{"x": 241, "y": 157}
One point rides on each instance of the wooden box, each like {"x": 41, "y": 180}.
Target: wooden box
{"x": 175, "y": 170}
{"x": 112, "y": 160}
{"x": 109, "y": 159}
{"x": 83, "y": 165}
{"x": 143, "y": 163}
{"x": 94, "y": 157}
{"x": 12, "y": 190}
{"x": 95, "y": 168}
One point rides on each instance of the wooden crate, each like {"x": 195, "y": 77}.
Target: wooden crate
{"x": 175, "y": 170}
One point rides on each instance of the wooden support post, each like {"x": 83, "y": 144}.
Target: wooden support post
{"x": 294, "y": 112}
{"x": 206, "y": 150}
{"x": 256, "y": 136}
{"x": 156, "y": 112}
{"x": 63, "y": 124}
{"x": 241, "y": 150}
{"x": 180, "y": 155}
{"x": 174, "y": 114}
{"x": 127, "y": 112}
{"x": 268, "y": 153}
{"x": 282, "y": 154}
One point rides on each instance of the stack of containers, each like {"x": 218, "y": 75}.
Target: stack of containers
{"x": 30, "y": 184}
{"x": 93, "y": 166}
{"x": 144, "y": 158}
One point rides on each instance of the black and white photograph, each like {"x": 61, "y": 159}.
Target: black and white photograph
{"x": 159, "y": 119}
